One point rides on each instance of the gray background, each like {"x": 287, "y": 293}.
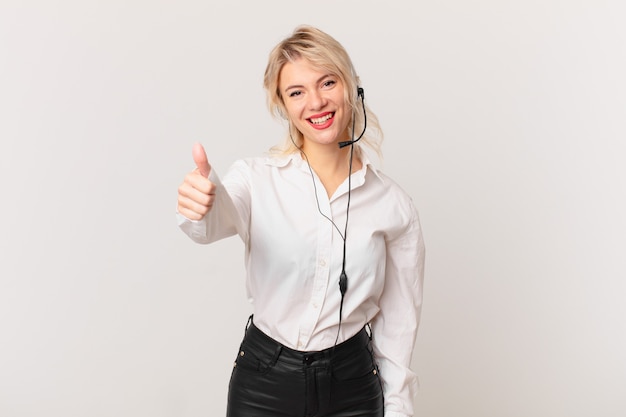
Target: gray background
{"x": 505, "y": 120}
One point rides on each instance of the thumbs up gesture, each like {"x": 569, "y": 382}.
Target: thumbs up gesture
{"x": 196, "y": 194}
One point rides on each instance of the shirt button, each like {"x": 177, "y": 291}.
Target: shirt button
{"x": 322, "y": 262}
{"x": 315, "y": 305}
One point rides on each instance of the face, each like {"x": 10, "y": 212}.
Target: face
{"x": 314, "y": 99}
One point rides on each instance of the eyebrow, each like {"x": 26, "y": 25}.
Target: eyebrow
{"x": 302, "y": 86}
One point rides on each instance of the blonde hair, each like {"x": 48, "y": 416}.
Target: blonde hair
{"x": 323, "y": 51}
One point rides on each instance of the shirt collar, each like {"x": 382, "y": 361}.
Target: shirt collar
{"x": 282, "y": 160}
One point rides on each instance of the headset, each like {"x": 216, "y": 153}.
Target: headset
{"x": 359, "y": 93}
{"x": 343, "y": 277}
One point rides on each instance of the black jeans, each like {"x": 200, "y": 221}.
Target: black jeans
{"x": 272, "y": 380}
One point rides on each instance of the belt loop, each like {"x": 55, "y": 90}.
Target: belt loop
{"x": 330, "y": 360}
{"x": 248, "y": 323}
{"x": 277, "y": 351}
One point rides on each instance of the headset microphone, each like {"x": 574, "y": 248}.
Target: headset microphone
{"x": 360, "y": 93}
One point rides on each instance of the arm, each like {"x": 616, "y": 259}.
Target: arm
{"x": 395, "y": 326}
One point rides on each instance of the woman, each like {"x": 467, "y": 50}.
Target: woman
{"x": 334, "y": 261}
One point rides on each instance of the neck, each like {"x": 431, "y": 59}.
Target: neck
{"x": 331, "y": 164}
{"x": 329, "y": 159}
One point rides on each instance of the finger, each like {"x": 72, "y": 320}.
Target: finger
{"x": 192, "y": 209}
{"x": 190, "y": 214}
{"x": 199, "y": 157}
{"x": 195, "y": 180}
{"x": 200, "y": 196}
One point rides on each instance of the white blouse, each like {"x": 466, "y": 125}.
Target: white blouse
{"x": 294, "y": 257}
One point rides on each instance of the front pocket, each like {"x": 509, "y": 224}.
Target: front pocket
{"x": 359, "y": 366}
{"x": 249, "y": 361}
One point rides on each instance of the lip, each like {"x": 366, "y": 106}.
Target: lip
{"x": 323, "y": 125}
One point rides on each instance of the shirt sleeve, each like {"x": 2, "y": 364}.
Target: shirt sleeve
{"x": 394, "y": 329}
{"x": 230, "y": 209}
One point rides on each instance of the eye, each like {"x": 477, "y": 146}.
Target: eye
{"x": 329, "y": 83}
{"x": 295, "y": 93}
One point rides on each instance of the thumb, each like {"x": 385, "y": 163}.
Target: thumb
{"x": 199, "y": 157}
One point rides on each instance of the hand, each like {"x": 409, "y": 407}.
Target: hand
{"x": 196, "y": 194}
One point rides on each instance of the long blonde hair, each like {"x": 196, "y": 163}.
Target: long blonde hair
{"x": 324, "y": 52}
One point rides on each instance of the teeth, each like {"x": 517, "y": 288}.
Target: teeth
{"x": 320, "y": 120}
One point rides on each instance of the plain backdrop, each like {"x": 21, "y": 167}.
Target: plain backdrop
{"x": 504, "y": 120}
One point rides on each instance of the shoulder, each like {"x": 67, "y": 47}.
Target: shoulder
{"x": 389, "y": 187}
{"x": 258, "y": 168}
{"x": 393, "y": 203}
{"x": 263, "y": 162}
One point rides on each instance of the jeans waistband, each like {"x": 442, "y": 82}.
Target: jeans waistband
{"x": 254, "y": 336}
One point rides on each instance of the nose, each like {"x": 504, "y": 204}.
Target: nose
{"x": 316, "y": 100}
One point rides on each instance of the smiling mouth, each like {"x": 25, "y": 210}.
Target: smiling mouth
{"x": 321, "y": 120}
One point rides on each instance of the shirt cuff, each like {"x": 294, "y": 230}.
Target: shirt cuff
{"x": 195, "y": 229}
